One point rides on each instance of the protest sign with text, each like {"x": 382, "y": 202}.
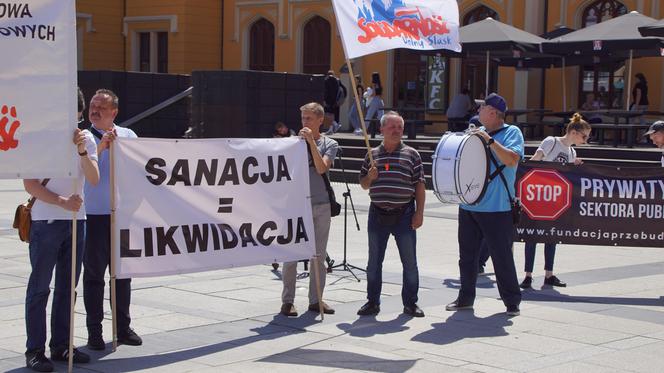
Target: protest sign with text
{"x": 591, "y": 204}
{"x": 37, "y": 89}
{"x": 195, "y": 205}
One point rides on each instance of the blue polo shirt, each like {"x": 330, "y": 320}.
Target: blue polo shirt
{"x": 496, "y": 199}
{"x": 98, "y": 198}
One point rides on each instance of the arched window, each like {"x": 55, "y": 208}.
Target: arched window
{"x": 605, "y": 82}
{"x": 478, "y": 14}
{"x": 473, "y": 68}
{"x": 316, "y": 46}
{"x": 261, "y": 46}
{"x": 602, "y": 10}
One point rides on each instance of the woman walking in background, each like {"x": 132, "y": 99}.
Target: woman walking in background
{"x": 555, "y": 149}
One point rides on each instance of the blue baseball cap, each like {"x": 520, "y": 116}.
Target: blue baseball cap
{"x": 496, "y": 101}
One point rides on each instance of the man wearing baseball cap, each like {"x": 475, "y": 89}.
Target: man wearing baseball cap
{"x": 491, "y": 218}
{"x": 656, "y": 134}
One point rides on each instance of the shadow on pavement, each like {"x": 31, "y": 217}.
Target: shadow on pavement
{"x": 464, "y": 324}
{"x": 339, "y": 359}
{"x": 368, "y": 326}
{"x": 551, "y": 295}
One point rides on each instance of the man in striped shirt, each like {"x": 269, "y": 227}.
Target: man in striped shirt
{"x": 396, "y": 187}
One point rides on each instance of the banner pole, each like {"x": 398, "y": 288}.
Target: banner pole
{"x": 564, "y": 86}
{"x": 114, "y": 320}
{"x": 486, "y": 86}
{"x": 72, "y": 289}
{"x": 358, "y": 105}
{"x": 315, "y": 262}
{"x": 629, "y": 82}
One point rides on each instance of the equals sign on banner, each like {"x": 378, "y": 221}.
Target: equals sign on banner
{"x": 225, "y": 205}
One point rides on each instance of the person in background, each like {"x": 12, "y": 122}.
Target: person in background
{"x": 640, "y": 96}
{"x": 353, "y": 115}
{"x": 555, "y": 149}
{"x": 460, "y": 110}
{"x": 333, "y": 97}
{"x": 50, "y": 248}
{"x": 375, "y": 108}
{"x": 590, "y": 104}
{"x": 282, "y": 130}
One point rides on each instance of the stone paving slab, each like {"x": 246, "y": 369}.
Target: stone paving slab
{"x": 610, "y": 318}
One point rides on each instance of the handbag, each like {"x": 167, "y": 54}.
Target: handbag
{"x": 23, "y": 217}
{"x": 335, "y": 207}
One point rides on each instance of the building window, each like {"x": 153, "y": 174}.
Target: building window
{"x": 261, "y": 46}
{"x": 603, "y": 82}
{"x": 602, "y": 10}
{"x": 152, "y": 51}
{"x": 316, "y": 46}
{"x": 473, "y": 68}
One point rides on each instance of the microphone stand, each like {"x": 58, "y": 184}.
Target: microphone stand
{"x": 345, "y": 266}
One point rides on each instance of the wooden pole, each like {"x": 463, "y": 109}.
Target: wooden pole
{"x": 564, "y": 86}
{"x": 315, "y": 260}
{"x": 486, "y": 86}
{"x": 629, "y": 83}
{"x": 114, "y": 307}
{"x": 72, "y": 289}
{"x": 358, "y": 105}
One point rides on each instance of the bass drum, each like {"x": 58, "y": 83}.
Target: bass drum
{"x": 460, "y": 170}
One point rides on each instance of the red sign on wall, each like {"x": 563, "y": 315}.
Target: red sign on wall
{"x": 545, "y": 194}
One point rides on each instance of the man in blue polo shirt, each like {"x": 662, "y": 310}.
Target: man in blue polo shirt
{"x": 102, "y": 113}
{"x": 491, "y": 218}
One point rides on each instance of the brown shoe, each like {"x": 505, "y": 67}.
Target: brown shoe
{"x": 326, "y": 309}
{"x": 288, "y": 309}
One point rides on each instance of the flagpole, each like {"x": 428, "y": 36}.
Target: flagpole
{"x": 564, "y": 86}
{"x": 358, "y": 105}
{"x": 114, "y": 307}
{"x": 72, "y": 289}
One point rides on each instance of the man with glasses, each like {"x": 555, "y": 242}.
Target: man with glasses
{"x": 491, "y": 218}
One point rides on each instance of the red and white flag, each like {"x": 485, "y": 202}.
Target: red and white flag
{"x": 370, "y": 26}
{"x": 37, "y": 89}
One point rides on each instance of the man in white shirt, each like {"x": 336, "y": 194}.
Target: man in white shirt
{"x": 50, "y": 248}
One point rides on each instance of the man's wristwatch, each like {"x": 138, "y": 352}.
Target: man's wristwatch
{"x": 491, "y": 141}
{"x": 83, "y": 153}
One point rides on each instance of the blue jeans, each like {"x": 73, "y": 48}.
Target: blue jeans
{"x": 50, "y": 247}
{"x": 549, "y": 255}
{"x": 406, "y": 240}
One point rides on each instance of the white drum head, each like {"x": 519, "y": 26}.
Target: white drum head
{"x": 472, "y": 170}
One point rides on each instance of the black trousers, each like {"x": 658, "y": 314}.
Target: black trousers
{"x": 497, "y": 230}
{"x": 95, "y": 261}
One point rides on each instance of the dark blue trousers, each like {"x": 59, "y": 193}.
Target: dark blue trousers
{"x": 95, "y": 261}
{"x": 497, "y": 230}
{"x": 549, "y": 255}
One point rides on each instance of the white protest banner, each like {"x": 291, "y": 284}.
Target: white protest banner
{"x": 37, "y": 89}
{"x": 370, "y": 26}
{"x": 202, "y": 204}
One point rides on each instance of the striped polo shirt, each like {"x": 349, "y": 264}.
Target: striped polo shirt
{"x": 398, "y": 174}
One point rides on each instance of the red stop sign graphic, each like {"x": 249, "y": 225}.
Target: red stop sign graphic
{"x": 545, "y": 194}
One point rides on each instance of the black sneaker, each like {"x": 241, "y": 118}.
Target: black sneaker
{"x": 554, "y": 281}
{"x": 130, "y": 338}
{"x": 413, "y": 310}
{"x": 59, "y": 354}
{"x": 37, "y": 361}
{"x": 526, "y": 283}
{"x": 96, "y": 342}
{"x": 457, "y": 306}
{"x": 513, "y": 310}
{"x": 369, "y": 308}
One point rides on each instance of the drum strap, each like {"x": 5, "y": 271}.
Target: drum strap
{"x": 499, "y": 168}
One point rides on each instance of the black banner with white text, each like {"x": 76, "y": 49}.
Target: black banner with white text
{"x": 591, "y": 204}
